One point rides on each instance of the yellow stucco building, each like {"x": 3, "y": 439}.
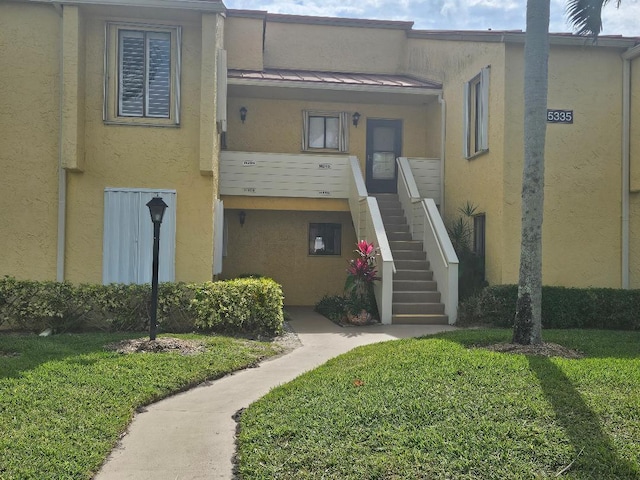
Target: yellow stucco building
{"x": 277, "y": 139}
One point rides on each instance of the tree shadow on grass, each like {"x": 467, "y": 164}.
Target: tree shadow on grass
{"x": 26, "y": 352}
{"x": 599, "y": 458}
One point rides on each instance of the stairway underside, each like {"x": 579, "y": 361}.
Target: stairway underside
{"x": 416, "y": 299}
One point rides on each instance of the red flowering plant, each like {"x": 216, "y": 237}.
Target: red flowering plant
{"x": 362, "y": 274}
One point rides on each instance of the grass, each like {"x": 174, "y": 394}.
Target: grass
{"x": 434, "y": 409}
{"x": 64, "y": 400}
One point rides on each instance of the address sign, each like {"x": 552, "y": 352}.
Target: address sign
{"x": 559, "y": 116}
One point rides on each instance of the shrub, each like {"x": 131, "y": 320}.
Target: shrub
{"x": 361, "y": 276}
{"x": 333, "y": 307}
{"x": 562, "y": 307}
{"x": 251, "y": 305}
{"x": 34, "y": 306}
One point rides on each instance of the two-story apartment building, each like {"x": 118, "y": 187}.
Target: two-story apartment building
{"x": 276, "y": 141}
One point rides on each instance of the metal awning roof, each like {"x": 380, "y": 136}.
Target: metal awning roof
{"x": 332, "y": 80}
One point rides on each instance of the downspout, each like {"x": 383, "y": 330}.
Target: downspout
{"x": 626, "y": 169}
{"x": 62, "y": 173}
{"x": 443, "y": 119}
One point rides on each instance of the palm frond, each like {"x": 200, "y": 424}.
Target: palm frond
{"x": 585, "y": 16}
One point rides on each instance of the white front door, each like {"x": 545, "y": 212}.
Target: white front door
{"x": 127, "y": 252}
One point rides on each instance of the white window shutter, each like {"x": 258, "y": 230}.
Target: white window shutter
{"x": 158, "y": 74}
{"x": 305, "y": 130}
{"x": 127, "y": 252}
{"x": 484, "y": 106}
{"x": 221, "y": 105}
{"x": 466, "y": 120}
{"x": 131, "y": 73}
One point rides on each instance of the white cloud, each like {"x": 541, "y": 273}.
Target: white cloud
{"x": 449, "y": 14}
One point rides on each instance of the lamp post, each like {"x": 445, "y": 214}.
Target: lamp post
{"x": 156, "y": 209}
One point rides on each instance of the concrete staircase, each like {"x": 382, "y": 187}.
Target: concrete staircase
{"x": 416, "y": 299}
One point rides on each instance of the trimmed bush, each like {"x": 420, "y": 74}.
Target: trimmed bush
{"x": 562, "y": 307}
{"x": 253, "y": 307}
{"x": 248, "y": 305}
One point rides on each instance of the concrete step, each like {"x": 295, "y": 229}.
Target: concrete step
{"x": 399, "y": 236}
{"x": 408, "y": 255}
{"x": 414, "y": 285}
{"x": 413, "y": 275}
{"x": 394, "y": 220}
{"x": 416, "y": 297}
{"x": 419, "y": 319}
{"x": 402, "y": 228}
{"x": 387, "y": 197}
{"x": 399, "y": 245}
{"x": 401, "y": 264}
{"x": 418, "y": 308}
{"x": 391, "y": 210}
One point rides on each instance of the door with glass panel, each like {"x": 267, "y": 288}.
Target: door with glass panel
{"x": 384, "y": 145}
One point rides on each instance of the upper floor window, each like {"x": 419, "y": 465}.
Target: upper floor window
{"x": 143, "y": 72}
{"x": 325, "y": 131}
{"x": 476, "y": 114}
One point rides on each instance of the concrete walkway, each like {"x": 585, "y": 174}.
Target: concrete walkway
{"x": 191, "y": 435}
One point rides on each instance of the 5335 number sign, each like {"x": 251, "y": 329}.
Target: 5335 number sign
{"x": 559, "y": 116}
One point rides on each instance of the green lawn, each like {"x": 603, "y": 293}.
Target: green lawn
{"x": 64, "y": 400}
{"x": 434, "y": 409}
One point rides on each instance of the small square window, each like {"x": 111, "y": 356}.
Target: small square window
{"x": 325, "y": 239}
{"x": 325, "y": 131}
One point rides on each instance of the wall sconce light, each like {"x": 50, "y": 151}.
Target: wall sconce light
{"x": 243, "y": 114}
{"x": 356, "y": 119}
{"x": 242, "y": 216}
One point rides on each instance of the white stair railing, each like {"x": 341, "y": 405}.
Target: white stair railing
{"x": 368, "y": 226}
{"x": 425, "y": 224}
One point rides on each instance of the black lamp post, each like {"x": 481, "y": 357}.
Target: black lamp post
{"x": 156, "y": 209}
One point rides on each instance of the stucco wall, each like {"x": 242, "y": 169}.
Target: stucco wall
{"x": 276, "y": 126}
{"x": 634, "y": 200}
{"x": 477, "y": 180}
{"x": 141, "y": 157}
{"x": 275, "y": 244}
{"x": 29, "y": 136}
{"x": 333, "y": 48}
{"x": 581, "y": 230}
{"x": 243, "y": 41}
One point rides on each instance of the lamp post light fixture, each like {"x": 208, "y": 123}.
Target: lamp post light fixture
{"x": 356, "y": 119}
{"x": 156, "y": 209}
{"x": 243, "y": 114}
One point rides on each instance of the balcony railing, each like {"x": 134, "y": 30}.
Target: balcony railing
{"x": 284, "y": 175}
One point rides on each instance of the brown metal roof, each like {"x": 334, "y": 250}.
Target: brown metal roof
{"x": 335, "y": 78}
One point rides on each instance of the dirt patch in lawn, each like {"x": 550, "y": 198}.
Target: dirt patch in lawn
{"x": 544, "y": 350}
{"x": 4, "y": 354}
{"x": 159, "y": 345}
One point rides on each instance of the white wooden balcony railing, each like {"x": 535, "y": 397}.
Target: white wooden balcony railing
{"x": 284, "y": 175}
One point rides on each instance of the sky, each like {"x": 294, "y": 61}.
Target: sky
{"x": 449, "y": 14}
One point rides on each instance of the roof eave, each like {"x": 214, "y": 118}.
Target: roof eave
{"x": 252, "y": 82}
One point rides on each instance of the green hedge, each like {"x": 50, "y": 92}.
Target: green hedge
{"x": 246, "y": 306}
{"x": 604, "y": 308}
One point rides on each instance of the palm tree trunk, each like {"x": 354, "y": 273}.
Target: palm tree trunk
{"x": 527, "y": 327}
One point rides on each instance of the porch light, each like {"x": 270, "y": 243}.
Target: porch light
{"x": 356, "y": 119}
{"x": 156, "y": 209}
{"x": 243, "y": 114}
{"x": 242, "y": 216}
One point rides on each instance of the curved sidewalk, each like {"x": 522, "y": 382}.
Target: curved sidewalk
{"x": 191, "y": 435}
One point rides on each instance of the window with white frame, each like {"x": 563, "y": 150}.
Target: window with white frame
{"x": 143, "y": 72}
{"x": 476, "y": 114}
{"x": 325, "y": 131}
